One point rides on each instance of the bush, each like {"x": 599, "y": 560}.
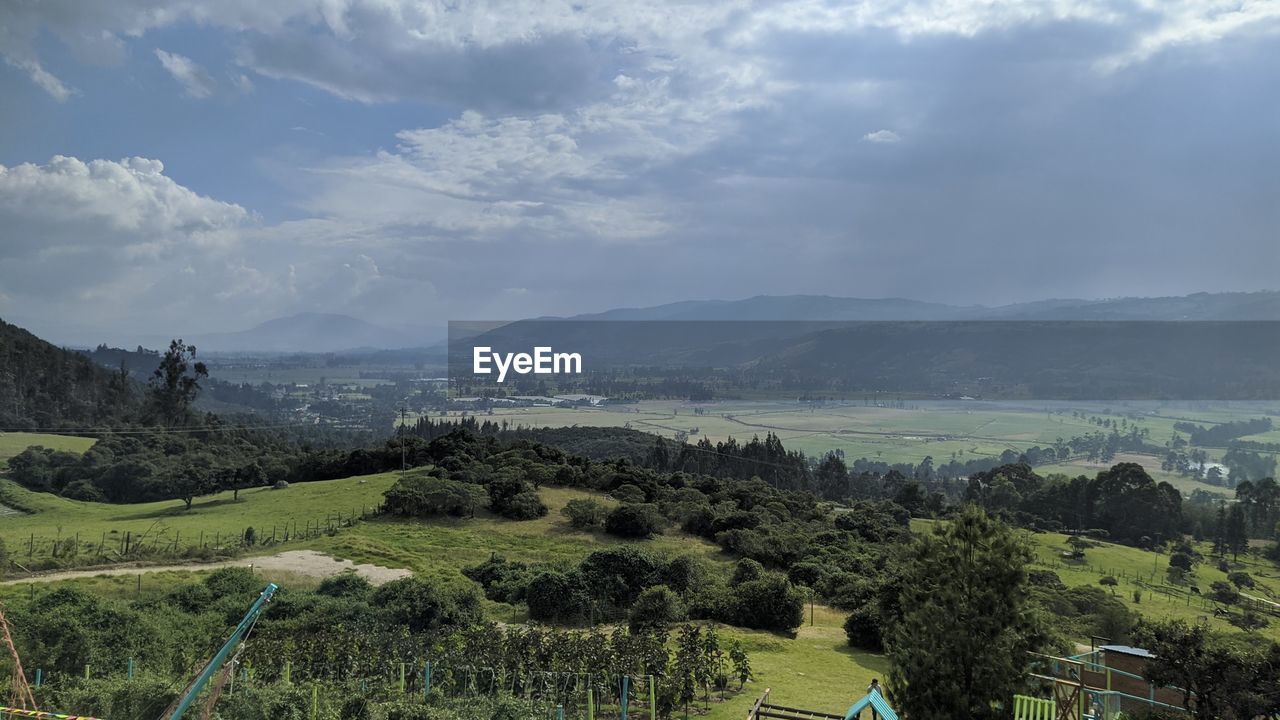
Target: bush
{"x": 347, "y": 584}
{"x": 233, "y": 581}
{"x": 1180, "y": 560}
{"x": 560, "y": 597}
{"x": 584, "y": 514}
{"x": 422, "y": 606}
{"x": 1242, "y": 580}
{"x": 423, "y": 495}
{"x": 767, "y": 603}
{"x": 864, "y": 629}
{"x": 628, "y": 494}
{"x": 655, "y": 609}
{"x": 745, "y": 571}
{"x": 1109, "y": 581}
{"x": 634, "y": 521}
{"x": 524, "y": 505}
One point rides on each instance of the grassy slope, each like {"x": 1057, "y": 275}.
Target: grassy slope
{"x": 13, "y": 443}
{"x": 813, "y": 669}
{"x": 262, "y": 507}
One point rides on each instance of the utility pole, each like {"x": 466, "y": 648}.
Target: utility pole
{"x": 404, "y": 410}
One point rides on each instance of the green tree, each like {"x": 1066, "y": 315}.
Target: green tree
{"x": 1218, "y": 681}
{"x": 961, "y": 645}
{"x": 1237, "y": 537}
{"x": 175, "y": 383}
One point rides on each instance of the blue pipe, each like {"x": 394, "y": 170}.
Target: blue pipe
{"x": 221, "y": 657}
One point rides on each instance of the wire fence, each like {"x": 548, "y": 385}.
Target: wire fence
{"x": 41, "y": 552}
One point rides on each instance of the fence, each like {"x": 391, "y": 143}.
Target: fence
{"x": 36, "y": 552}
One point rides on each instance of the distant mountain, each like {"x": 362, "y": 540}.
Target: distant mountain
{"x": 311, "y": 332}
{"x": 1200, "y": 306}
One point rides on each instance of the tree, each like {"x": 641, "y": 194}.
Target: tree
{"x": 966, "y": 629}
{"x": 1237, "y": 538}
{"x": 175, "y": 383}
{"x": 1218, "y": 682}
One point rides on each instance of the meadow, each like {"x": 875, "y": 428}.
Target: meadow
{"x": 12, "y": 443}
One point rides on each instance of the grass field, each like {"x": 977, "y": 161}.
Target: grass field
{"x": 13, "y": 443}
{"x": 167, "y": 521}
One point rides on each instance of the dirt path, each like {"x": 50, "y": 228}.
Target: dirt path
{"x": 301, "y": 562}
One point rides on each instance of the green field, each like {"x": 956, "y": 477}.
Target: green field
{"x": 942, "y": 430}
{"x": 13, "y": 443}
{"x": 211, "y": 517}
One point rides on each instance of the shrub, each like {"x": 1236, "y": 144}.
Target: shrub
{"x": 524, "y": 505}
{"x": 558, "y": 597}
{"x": 655, "y": 609}
{"x": 424, "y": 495}
{"x": 1241, "y": 579}
{"x": 767, "y": 603}
{"x": 628, "y": 494}
{"x": 346, "y": 584}
{"x": 232, "y": 581}
{"x": 864, "y": 629}
{"x": 584, "y": 514}
{"x": 745, "y": 571}
{"x": 1181, "y": 561}
{"x": 634, "y": 521}
{"x": 1109, "y": 581}
{"x": 422, "y": 606}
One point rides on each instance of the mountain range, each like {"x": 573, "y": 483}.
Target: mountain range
{"x": 330, "y": 332}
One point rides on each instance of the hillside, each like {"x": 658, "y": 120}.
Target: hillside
{"x": 45, "y": 387}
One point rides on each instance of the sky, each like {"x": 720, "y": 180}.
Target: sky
{"x": 196, "y": 166}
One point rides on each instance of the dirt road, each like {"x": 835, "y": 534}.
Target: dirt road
{"x": 308, "y": 563}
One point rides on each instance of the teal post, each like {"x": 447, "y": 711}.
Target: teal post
{"x": 185, "y": 702}
{"x": 39, "y": 677}
{"x": 559, "y": 712}
{"x": 426, "y": 680}
{"x": 626, "y": 694}
{"x": 653, "y": 701}
{"x": 130, "y": 668}
{"x": 315, "y": 702}
{"x": 591, "y": 703}
{"x": 287, "y": 676}
{"x": 401, "y": 678}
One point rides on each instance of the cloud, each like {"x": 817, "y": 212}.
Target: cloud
{"x": 196, "y": 83}
{"x": 43, "y": 78}
{"x": 882, "y": 136}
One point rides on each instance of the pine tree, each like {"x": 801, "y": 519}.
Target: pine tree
{"x": 962, "y": 643}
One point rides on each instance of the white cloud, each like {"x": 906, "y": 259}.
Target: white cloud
{"x": 43, "y": 78}
{"x": 196, "y": 83}
{"x": 882, "y": 136}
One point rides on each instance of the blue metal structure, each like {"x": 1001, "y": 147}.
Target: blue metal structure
{"x": 189, "y": 697}
{"x": 874, "y": 701}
